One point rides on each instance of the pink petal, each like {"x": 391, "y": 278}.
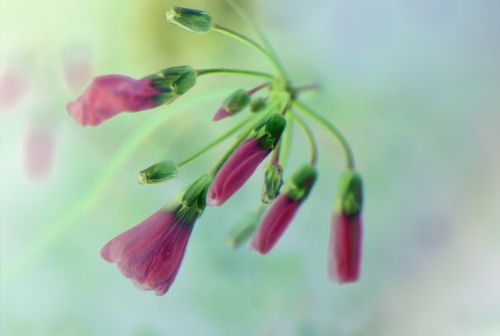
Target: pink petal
{"x": 39, "y": 153}
{"x": 275, "y": 222}
{"x": 345, "y": 249}
{"x": 236, "y": 171}
{"x": 150, "y": 253}
{"x": 110, "y": 95}
{"x": 221, "y": 114}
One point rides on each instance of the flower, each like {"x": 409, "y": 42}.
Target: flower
{"x": 151, "y": 253}
{"x": 344, "y": 255}
{"x": 110, "y": 95}
{"x": 345, "y": 248}
{"x": 236, "y": 102}
{"x": 243, "y": 162}
{"x": 283, "y": 209}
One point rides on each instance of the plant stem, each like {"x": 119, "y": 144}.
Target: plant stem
{"x": 307, "y": 111}
{"x": 222, "y": 71}
{"x": 313, "y": 147}
{"x": 249, "y": 42}
{"x": 307, "y": 87}
{"x": 286, "y": 141}
{"x": 214, "y": 143}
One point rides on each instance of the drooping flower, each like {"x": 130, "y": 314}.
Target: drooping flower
{"x": 151, "y": 253}
{"x": 283, "y": 209}
{"x": 344, "y": 256}
{"x": 240, "y": 166}
{"x": 110, "y": 95}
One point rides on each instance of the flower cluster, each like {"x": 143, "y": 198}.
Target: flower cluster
{"x": 151, "y": 253}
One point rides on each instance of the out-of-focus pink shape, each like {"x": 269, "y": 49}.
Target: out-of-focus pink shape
{"x": 110, "y": 95}
{"x": 236, "y": 171}
{"x": 13, "y": 86}
{"x": 77, "y": 71}
{"x": 345, "y": 248}
{"x": 39, "y": 153}
{"x": 151, "y": 253}
{"x": 221, "y": 113}
{"x": 275, "y": 222}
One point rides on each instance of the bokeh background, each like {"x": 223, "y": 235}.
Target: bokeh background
{"x": 415, "y": 85}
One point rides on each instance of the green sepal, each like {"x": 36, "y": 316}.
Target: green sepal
{"x": 193, "y": 20}
{"x": 273, "y": 180}
{"x": 301, "y": 183}
{"x": 158, "y": 172}
{"x": 193, "y": 200}
{"x": 237, "y": 101}
{"x": 269, "y": 133}
{"x": 172, "y": 83}
{"x": 349, "y": 199}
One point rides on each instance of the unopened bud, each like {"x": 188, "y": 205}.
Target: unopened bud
{"x": 244, "y": 229}
{"x": 272, "y": 183}
{"x": 233, "y": 104}
{"x": 270, "y": 133}
{"x": 350, "y": 193}
{"x": 158, "y": 172}
{"x": 258, "y": 104}
{"x": 193, "y": 20}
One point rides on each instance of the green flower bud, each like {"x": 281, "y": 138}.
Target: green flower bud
{"x": 301, "y": 183}
{"x": 158, "y": 172}
{"x": 244, "y": 229}
{"x": 258, "y": 104}
{"x": 272, "y": 183}
{"x": 193, "y": 20}
{"x": 173, "y": 82}
{"x": 270, "y": 132}
{"x": 349, "y": 199}
{"x": 193, "y": 200}
{"x": 237, "y": 101}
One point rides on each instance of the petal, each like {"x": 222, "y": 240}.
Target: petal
{"x": 345, "y": 249}
{"x": 275, "y": 222}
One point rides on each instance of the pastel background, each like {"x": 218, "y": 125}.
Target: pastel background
{"x": 415, "y": 85}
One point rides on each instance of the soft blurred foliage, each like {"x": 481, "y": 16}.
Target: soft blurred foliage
{"x": 415, "y": 85}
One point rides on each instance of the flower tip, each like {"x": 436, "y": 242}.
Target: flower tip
{"x": 106, "y": 254}
{"x": 256, "y": 247}
{"x": 212, "y": 199}
{"x": 221, "y": 114}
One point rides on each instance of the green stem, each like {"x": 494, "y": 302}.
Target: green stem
{"x": 313, "y": 147}
{"x": 238, "y": 141}
{"x": 249, "y": 42}
{"x": 240, "y": 72}
{"x": 215, "y": 142}
{"x": 286, "y": 141}
{"x": 330, "y": 128}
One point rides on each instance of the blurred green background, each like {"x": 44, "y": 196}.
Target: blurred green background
{"x": 415, "y": 85}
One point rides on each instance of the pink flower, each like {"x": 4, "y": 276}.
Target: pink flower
{"x": 236, "y": 102}
{"x": 236, "y": 171}
{"x": 151, "y": 253}
{"x": 283, "y": 210}
{"x": 39, "y": 153}
{"x": 345, "y": 248}
{"x": 278, "y": 218}
{"x": 110, "y": 95}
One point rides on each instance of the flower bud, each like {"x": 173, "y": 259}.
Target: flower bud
{"x": 244, "y": 229}
{"x": 350, "y": 194}
{"x": 193, "y": 200}
{"x": 258, "y": 104}
{"x": 272, "y": 182}
{"x": 301, "y": 183}
{"x": 269, "y": 134}
{"x": 233, "y": 104}
{"x": 173, "y": 82}
{"x": 158, "y": 172}
{"x": 193, "y": 20}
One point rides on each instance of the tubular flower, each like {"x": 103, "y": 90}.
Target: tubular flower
{"x": 283, "y": 209}
{"x": 107, "y": 96}
{"x": 346, "y": 230}
{"x": 242, "y": 163}
{"x": 151, "y": 253}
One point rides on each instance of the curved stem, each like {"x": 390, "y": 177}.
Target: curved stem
{"x": 286, "y": 141}
{"x": 223, "y": 71}
{"x": 307, "y": 87}
{"x": 214, "y": 143}
{"x": 330, "y": 128}
{"x": 249, "y": 42}
{"x": 313, "y": 147}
